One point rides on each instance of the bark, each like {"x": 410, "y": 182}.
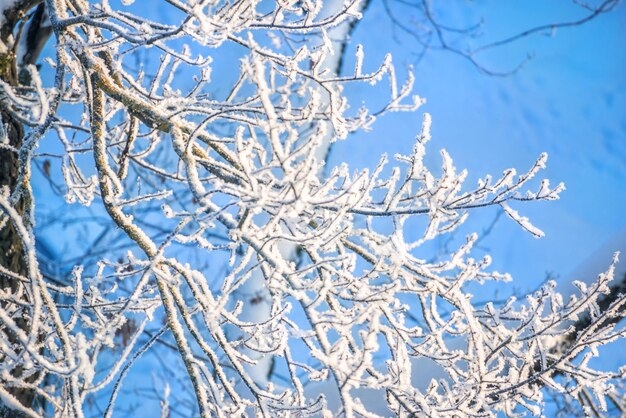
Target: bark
{"x": 11, "y": 254}
{"x": 11, "y": 249}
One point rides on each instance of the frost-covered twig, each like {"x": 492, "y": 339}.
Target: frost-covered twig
{"x": 214, "y": 187}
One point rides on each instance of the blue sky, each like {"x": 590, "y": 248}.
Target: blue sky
{"x": 569, "y": 100}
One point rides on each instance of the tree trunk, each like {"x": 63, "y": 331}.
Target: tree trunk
{"x": 11, "y": 252}
{"x": 11, "y": 249}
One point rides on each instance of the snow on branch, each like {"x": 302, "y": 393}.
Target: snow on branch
{"x": 210, "y": 180}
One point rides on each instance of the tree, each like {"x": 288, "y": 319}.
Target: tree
{"x": 196, "y": 188}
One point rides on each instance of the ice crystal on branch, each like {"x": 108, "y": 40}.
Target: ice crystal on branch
{"x": 241, "y": 256}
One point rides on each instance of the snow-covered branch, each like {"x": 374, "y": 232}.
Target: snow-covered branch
{"x": 215, "y": 184}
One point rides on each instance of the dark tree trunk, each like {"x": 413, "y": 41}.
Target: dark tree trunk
{"x": 11, "y": 250}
